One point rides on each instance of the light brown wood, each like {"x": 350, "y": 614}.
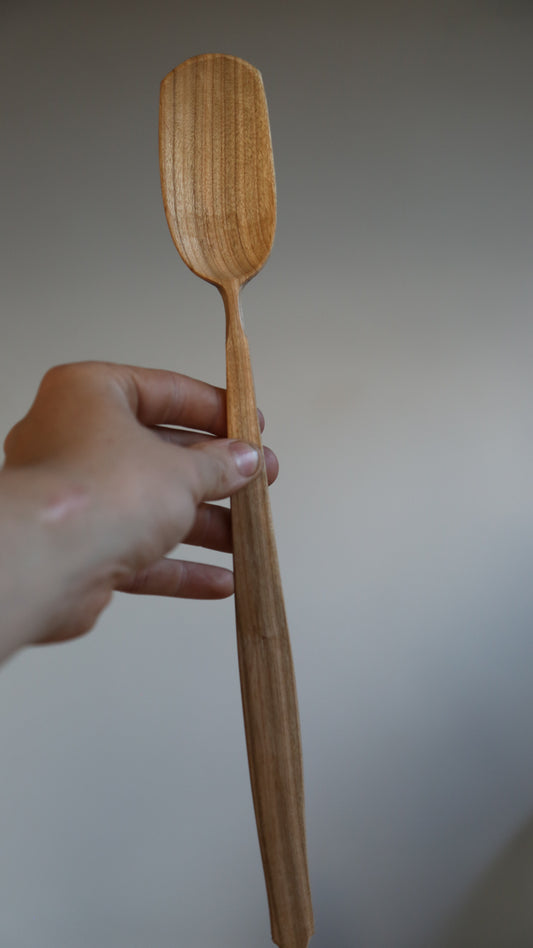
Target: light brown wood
{"x": 218, "y": 187}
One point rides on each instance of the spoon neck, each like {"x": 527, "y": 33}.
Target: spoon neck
{"x": 230, "y": 293}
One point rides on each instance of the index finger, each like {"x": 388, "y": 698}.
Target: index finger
{"x": 161, "y": 397}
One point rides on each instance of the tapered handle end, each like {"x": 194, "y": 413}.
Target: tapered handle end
{"x": 295, "y": 942}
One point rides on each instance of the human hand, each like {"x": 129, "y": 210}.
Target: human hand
{"x": 122, "y": 488}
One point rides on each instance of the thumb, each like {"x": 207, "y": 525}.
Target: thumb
{"x": 222, "y": 466}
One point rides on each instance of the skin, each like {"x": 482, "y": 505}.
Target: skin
{"x": 99, "y": 485}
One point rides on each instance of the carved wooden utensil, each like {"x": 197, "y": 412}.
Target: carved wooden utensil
{"x": 218, "y": 187}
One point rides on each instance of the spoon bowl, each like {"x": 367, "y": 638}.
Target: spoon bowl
{"x": 217, "y": 168}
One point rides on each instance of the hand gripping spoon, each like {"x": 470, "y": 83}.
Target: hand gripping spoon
{"x": 218, "y": 188}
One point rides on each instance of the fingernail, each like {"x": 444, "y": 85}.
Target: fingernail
{"x": 246, "y": 457}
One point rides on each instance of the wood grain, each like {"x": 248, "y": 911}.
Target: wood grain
{"x": 217, "y": 167}
{"x": 218, "y": 187}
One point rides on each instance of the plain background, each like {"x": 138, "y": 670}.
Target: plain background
{"x": 391, "y": 337}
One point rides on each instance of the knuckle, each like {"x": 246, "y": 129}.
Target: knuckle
{"x": 11, "y": 438}
{"x": 56, "y": 375}
{"x": 71, "y": 373}
{"x": 137, "y": 583}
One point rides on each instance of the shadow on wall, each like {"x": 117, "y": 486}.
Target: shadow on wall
{"x": 498, "y": 912}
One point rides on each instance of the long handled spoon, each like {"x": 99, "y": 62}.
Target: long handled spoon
{"x": 218, "y": 188}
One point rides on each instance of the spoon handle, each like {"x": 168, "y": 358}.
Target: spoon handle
{"x": 265, "y": 662}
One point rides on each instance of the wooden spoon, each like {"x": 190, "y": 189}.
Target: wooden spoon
{"x": 218, "y": 188}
